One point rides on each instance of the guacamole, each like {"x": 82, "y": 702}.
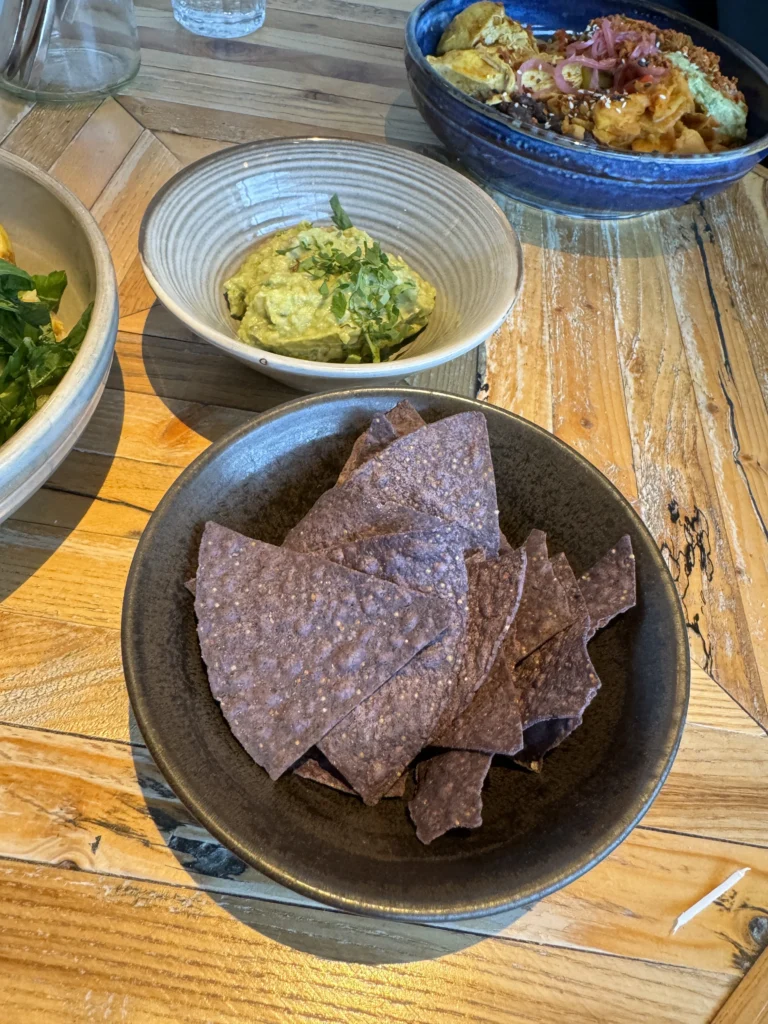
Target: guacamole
{"x": 329, "y": 294}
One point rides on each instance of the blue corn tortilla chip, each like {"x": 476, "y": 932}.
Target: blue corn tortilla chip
{"x": 449, "y": 793}
{"x": 326, "y": 775}
{"x": 443, "y": 469}
{"x": 495, "y": 586}
{"x": 609, "y": 586}
{"x": 557, "y": 682}
{"x": 347, "y": 514}
{"x": 293, "y": 642}
{"x": 384, "y": 429}
{"x": 543, "y": 610}
{"x": 374, "y": 744}
{"x": 491, "y": 722}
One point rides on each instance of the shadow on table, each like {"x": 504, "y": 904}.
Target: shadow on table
{"x": 44, "y": 522}
{"x": 279, "y": 914}
{"x": 209, "y": 391}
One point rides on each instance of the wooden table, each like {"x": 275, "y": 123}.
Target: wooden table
{"x": 642, "y": 344}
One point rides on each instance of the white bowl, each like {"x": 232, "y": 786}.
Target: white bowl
{"x": 204, "y": 221}
{"x": 51, "y": 230}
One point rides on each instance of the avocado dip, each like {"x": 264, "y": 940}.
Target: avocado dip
{"x": 329, "y": 294}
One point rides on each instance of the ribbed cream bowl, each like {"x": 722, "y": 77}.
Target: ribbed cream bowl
{"x": 204, "y": 221}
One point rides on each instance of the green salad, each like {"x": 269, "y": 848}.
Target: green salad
{"x": 35, "y": 349}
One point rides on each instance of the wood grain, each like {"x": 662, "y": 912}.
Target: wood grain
{"x": 749, "y": 1003}
{"x": 105, "y": 807}
{"x": 170, "y": 953}
{"x": 732, "y": 411}
{"x": 677, "y": 493}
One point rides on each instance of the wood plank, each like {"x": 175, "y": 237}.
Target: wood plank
{"x": 518, "y": 371}
{"x": 190, "y": 370}
{"x": 84, "y": 476}
{"x": 187, "y": 118}
{"x": 170, "y": 953}
{"x": 749, "y": 1003}
{"x": 52, "y": 572}
{"x": 318, "y": 109}
{"x": 188, "y": 148}
{"x": 128, "y": 492}
{"x": 96, "y": 152}
{"x": 738, "y": 220}
{"x": 157, "y": 18}
{"x": 122, "y": 819}
{"x": 58, "y": 675}
{"x": 711, "y": 706}
{"x": 678, "y": 497}
{"x": 121, "y": 205}
{"x": 716, "y": 788}
{"x": 280, "y": 68}
{"x": 146, "y": 428}
{"x": 732, "y": 411}
{"x": 568, "y": 316}
{"x": 46, "y": 131}
{"x": 385, "y": 14}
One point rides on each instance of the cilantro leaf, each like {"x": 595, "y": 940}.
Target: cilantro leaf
{"x": 339, "y": 304}
{"x": 340, "y": 218}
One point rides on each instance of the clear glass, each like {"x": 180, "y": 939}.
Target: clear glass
{"x": 221, "y": 19}
{"x": 81, "y": 49}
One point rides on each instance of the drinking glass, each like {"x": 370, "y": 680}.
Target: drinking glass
{"x": 222, "y": 19}
{"x": 71, "y": 50}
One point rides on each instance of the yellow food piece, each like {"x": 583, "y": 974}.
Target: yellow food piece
{"x": 59, "y": 330}
{"x": 479, "y": 72}
{"x": 486, "y": 24}
{"x": 6, "y": 249}
{"x": 644, "y": 121}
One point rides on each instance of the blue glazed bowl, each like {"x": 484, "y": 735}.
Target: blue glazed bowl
{"x": 559, "y": 173}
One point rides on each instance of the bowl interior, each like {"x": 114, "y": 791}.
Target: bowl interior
{"x": 46, "y": 236}
{"x": 205, "y": 221}
{"x": 539, "y": 831}
{"x": 544, "y": 17}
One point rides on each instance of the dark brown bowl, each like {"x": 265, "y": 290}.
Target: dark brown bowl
{"x": 540, "y": 832}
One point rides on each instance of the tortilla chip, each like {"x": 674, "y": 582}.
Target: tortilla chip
{"x": 443, "y": 469}
{"x": 374, "y": 744}
{"x": 384, "y": 429}
{"x": 491, "y": 723}
{"x": 543, "y": 610}
{"x": 609, "y": 586}
{"x": 293, "y": 642}
{"x": 347, "y": 514}
{"x": 558, "y": 680}
{"x": 495, "y": 587}
{"x": 449, "y": 793}
{"x": 313, "y": 770}
{"x": 574, "y": 600}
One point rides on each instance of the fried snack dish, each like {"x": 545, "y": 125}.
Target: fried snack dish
{"x": 622, "y": 83}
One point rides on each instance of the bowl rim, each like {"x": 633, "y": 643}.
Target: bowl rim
{"x": 306, "y": 367}
{"x": 99, "y": 338}
{"x": 754, "y": 148}
{"x": 176, "y": 771}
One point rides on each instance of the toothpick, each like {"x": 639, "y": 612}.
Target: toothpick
{"x": 705, "y": 901}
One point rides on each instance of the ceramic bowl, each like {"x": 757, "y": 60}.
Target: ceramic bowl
{"x": 202, "y": 224}
{"x": 558, "y": 173}
{"x": 51, "y": 230}
{"x": 539, "y": 832}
